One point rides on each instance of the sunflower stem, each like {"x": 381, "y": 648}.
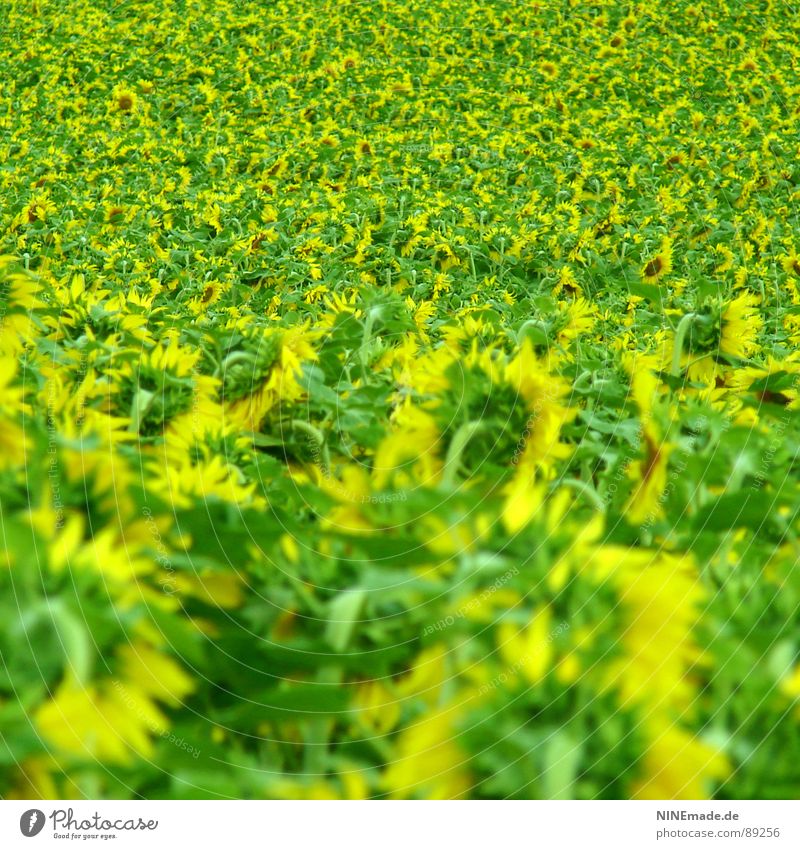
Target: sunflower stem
{"x": 531, "y": 322}
{"x": 591, "y": 494}
{"x": 319, "y": 438}
{"x": 460, "y": 440}
{"x": 585, "y": 377}
{"x": 235, "y": 357}
{"x": 680, "y": 334}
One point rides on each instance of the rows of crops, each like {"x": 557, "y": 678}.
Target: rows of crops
{"x": 399, "y": 399}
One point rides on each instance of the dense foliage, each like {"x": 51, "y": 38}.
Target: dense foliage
{"x": 399, "y": 399}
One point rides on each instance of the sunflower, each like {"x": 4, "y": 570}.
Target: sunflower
{"x": 753, "y": 379}
{"x": 157, "y": 386}
{"x": 566, "y": 282}
{"x": 660, "y": 264}
{"x": 208, "y": 297}
{"x": 718, "y": 329}
{"x": 37, "y": 210}
{"x": 650, "y": 472}
{"x": 529, "y": 650}
{"x": 115, "y": 214}
{"x": 549, "y": 69}
{"x": 483, "y": 406}
{"x": 115, "y": 718}
{"x": 543, "y": 395}
{"x": 428, "y": 763}
{"x": 19, "y": 297}
{"x": 13, "y": 445}
{"x": 791, "y": 263}
{"x": 678, "y": 765}
{"x": 257, "y": 379}
{"x": 740, "y": 323}
{"x": 124, "y": 98}
{"x": 184, "y": 479}
{"x": 576, "y": 318}
{"x": 409, "y": 455}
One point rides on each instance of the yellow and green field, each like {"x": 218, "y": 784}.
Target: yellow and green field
{"x": 399, "y": 399}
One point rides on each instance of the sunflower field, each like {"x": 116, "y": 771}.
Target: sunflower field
{"x": 399, "y": 399}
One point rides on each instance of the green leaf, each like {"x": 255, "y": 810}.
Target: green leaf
{"x": 344, "y": 611}
{"x": 562, "y": 757}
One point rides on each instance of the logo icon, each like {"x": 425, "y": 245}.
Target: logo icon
{"x": 31, "y": 822}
